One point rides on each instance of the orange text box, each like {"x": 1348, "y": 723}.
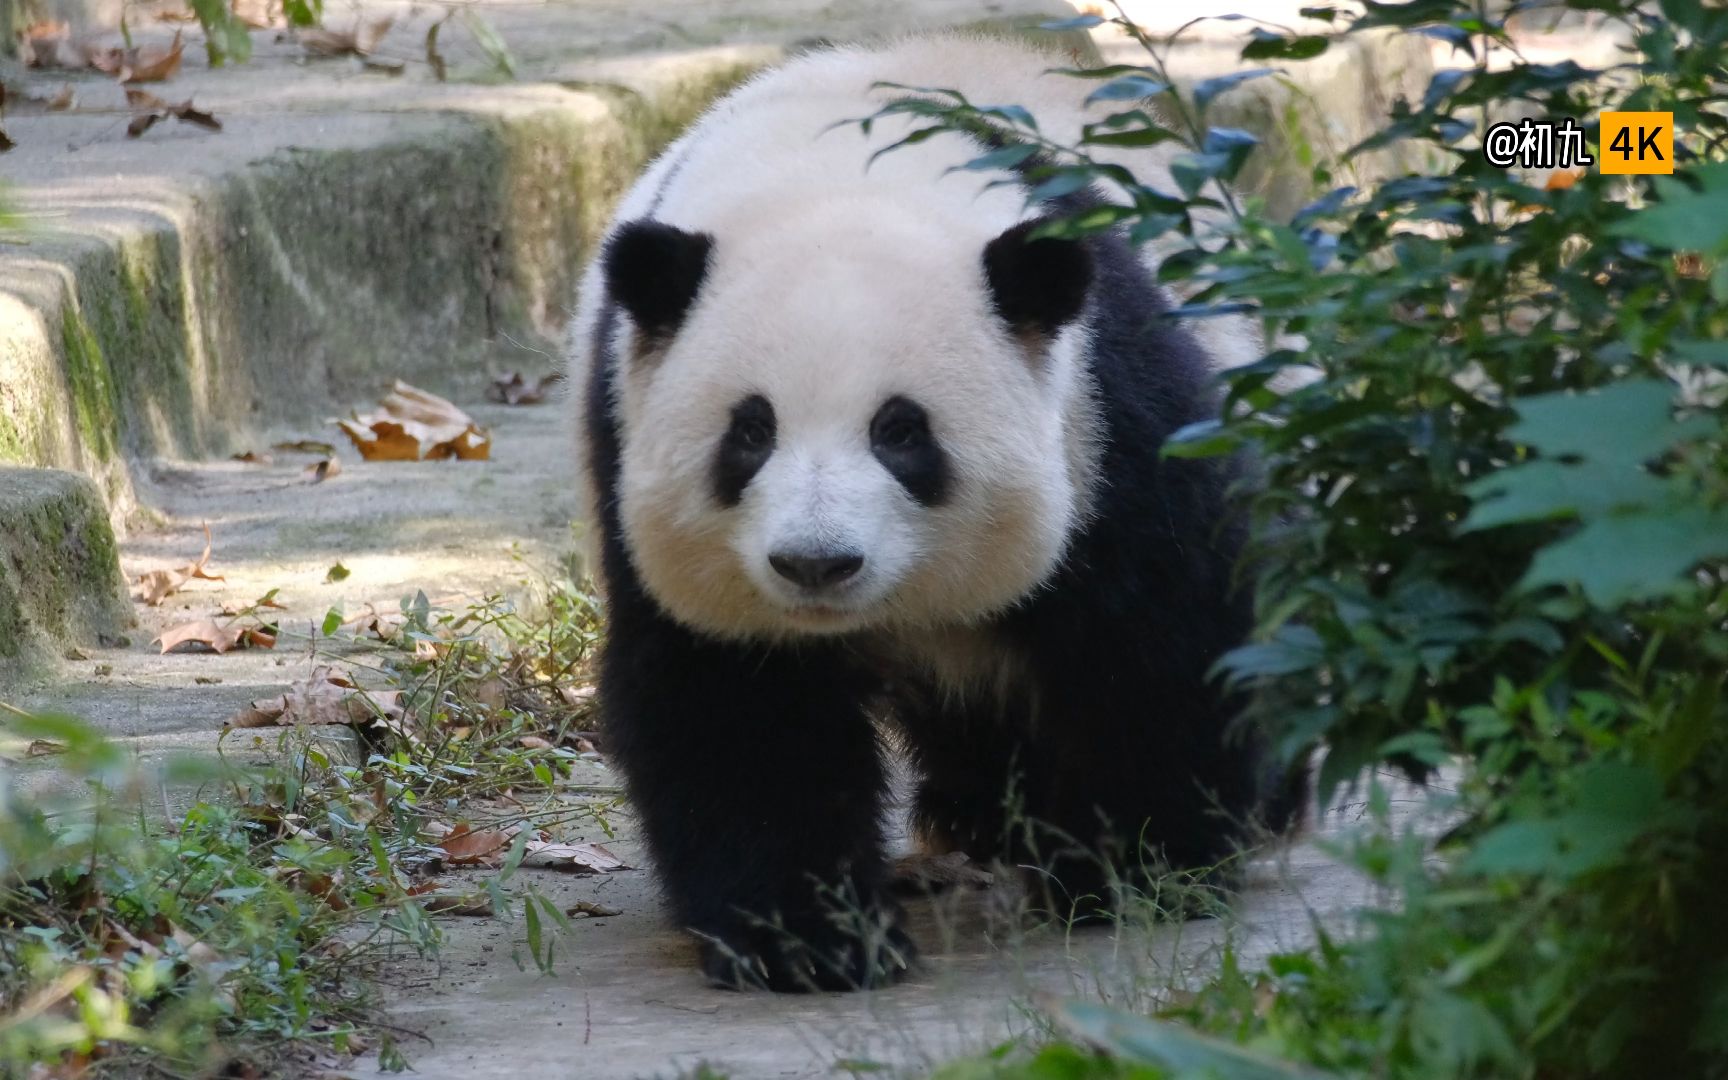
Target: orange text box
{"x": 1636, "y": 142}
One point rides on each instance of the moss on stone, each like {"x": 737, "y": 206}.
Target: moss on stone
{"x": 59, "y": 570}
{"x": 91, "y": 384}
{"x": 12, "y": 447}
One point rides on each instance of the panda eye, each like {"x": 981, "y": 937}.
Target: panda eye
{"x": 752, "y": 435}
{"x": 900, "y": 435}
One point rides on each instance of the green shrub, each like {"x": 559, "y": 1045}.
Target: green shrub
{"x": 1492, "y": 539}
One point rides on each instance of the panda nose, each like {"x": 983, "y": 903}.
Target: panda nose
{"x": 816, "y": 571}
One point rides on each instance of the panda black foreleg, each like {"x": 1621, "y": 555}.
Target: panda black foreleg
{"x": 1118, "y": 784}
{"x": 1137, "y": 789}
{"x": 758, "y": 781}
{"x": 966, "y": 759}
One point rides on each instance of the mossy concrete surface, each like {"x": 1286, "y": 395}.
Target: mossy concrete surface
{"x": 59, "y": 577}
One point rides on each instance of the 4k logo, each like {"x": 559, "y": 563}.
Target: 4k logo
{"x": 1637, "y": 142}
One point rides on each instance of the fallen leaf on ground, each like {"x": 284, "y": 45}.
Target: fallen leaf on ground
{"x": 535, "y": 742}
{"x": 591, "y": 909}
{"x": 44, "y": 748}
{"x": 458, "y": 905}
{"x": 335, "y": 574}
{"x": 360, "y": 41}
{"x": 158, "y": 585}
{"x": 434, "y": 58}
{"x": 323, "y": 697}
{"x": 467, "y": 846}
{"x": 371, "y": 621}
{"x": 411, "y": 424}
{"x": 320, "y": 471}
{"x": 216, "y": 637}
{"x": 306, "y": 446}
{"x": 513, "y": 389}
{"x": 59, "y": 101}
{"x": 149, "y": 63}
{"x": 582, "y": 858}
{"x": 576, "y": 695}
{"x": 148, "y": 109}
{"x": 194, "y": 950}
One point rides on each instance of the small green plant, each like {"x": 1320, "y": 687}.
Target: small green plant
{"x": 227, "y": 39}
{"x": 1491, "y": 541}
{"x": 236, "y": 935}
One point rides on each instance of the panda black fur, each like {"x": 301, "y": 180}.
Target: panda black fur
{"x": 856, "y": 450}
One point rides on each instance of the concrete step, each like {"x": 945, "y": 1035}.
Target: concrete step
{"x": 60, "y": 585}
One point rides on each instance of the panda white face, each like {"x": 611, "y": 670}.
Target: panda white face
{"x": 834, "y": 430}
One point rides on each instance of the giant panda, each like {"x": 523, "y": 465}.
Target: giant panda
{"x": 867, "y": 465}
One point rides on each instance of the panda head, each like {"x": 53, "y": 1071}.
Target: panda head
{"x": 837, "y": 424}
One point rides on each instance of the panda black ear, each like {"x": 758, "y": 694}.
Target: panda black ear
{"x": 1037, "y": 286}
{"x": 654, "y": 271}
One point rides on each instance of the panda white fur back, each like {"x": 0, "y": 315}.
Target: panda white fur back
{"x": 854, "y": 446}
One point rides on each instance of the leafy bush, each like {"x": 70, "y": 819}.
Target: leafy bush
{"x": 1492, "y": 539}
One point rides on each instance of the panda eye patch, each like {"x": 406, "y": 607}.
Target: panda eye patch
{"x": 901, "y": 439}
{"x": 744, "y": 449}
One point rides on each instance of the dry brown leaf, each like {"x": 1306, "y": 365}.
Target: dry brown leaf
{"x": 158, "y": 585}
{"x": 464, "y": 845}
{"x": 381, "y": 440}
{"x": 470, "y": 445}
{"x": 535, "y": 742}
{"x": 576, "y": 695}
{"x": 195, "y": 951}
{"x": 513, "y": 389}
{"x": 412, "y": 425}
{"x": 306, "y": 446}
{"x": 323, "y": 697}
{"x": 434, "y": 58}
{"x": 360, "y": 41}
{"x": 458, "y": 905}
{"x": 151, "y": 63}
{"x": 216, "y": 637}
{"x": 371, "y": 621}
{"x": 148, "y": 109}
{"x": 489, "y": 694}
{"x": 65, "y": 99}
{"x": 1561, "y": 179}
{"x": 591, "y": 909}
{"x": 326, "y": 887}
{"x": 582, "y": 858}
{"x": 141, "y": 123}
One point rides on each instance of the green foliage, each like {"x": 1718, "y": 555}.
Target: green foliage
{"x": 226, "y": 38}
{"x": 1491, "y": 538}
{"x": 232, "y": 938}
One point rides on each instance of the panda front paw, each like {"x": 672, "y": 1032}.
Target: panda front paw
{"x": 856, "y": 951}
